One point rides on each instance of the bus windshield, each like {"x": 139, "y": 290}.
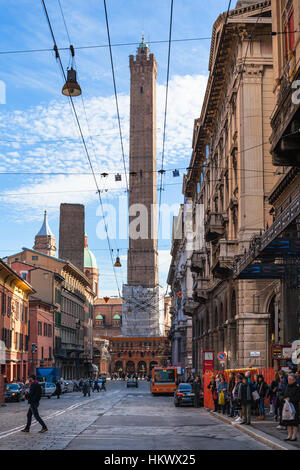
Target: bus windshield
{"x": 164, "y": 376}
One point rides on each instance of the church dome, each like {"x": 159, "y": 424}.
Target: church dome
{"x": 89, "y": 257}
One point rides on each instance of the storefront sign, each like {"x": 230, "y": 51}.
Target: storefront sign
{"x": 208, "y": 361}
{"x": 280, "y": 351}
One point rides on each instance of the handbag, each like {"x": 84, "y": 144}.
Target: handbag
{"x": 255, "y": 395}
{"x": 222, "y": 398}
{"x": 288, "y": 411}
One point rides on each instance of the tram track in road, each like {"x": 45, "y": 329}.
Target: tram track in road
{"x": 70, "y": 408}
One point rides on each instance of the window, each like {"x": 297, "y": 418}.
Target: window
{"x": 40, "y": 328}
{"x": 42, "y": 352}
{"x": 26, "y": 314}
{"x": 35, "y": 258}
{"x": 289, "y": 30}
{"x": 45, "y": 329}
{"x": 3, "y": 304}
{"x": 50, "y": 353}
{"x": 8, "y": 306}
{"x": 24, "y": 274}
{"x": 49, "y": 331}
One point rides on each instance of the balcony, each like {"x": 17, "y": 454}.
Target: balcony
{"x": 200, "y": 288}
{"x": 189, "y": 306}
{"x": 215, "y": 226}
{"x": 197, "y": 260}
{"x": 285, "y": 120}
{"x": 223, "y": 256}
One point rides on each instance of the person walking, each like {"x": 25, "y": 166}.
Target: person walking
{"x": 196, "y": 387}
{"x": 212, "y": 386}
{"x": 86, "y": 390}
{"x": 96, "y": 386}
{"x": 103, "y": 385}
{"x": 262, "y": 389}
{"x": 292, "y": 395}
{"x": 245, "y": 398}
{"x": 57, "y": 390}
{"x": 33, "y": 397}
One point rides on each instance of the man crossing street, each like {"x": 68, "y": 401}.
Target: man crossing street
{"x": 34, "y": 396}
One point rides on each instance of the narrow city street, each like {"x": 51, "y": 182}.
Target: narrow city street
{"x": 120, "y": 419}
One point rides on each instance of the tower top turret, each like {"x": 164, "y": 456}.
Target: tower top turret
{"x": 143, "y": 47}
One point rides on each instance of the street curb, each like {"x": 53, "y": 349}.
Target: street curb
{"x": 258, "y": 435}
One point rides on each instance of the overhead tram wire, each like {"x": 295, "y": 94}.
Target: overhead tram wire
{"x": 165, "y": 116}
{"x": 116, "y": 95}
{"x": 82, "y": 138}
{"x": 98, "y": 46}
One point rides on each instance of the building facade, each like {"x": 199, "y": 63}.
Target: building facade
{"x": 181, "y": 281}
{"x": 61, "y": 284}
{"x": 231, "y": 176}
{"x": 14, "y": 323}
{"x": 274, "y": 254}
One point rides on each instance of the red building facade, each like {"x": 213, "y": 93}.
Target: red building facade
{"x": 14, "y": 323}
{"x": 41, "y": 333}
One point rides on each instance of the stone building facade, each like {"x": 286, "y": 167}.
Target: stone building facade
{"x": 14, "y": 324}
{"x": 275, "y": 253}
{"x": 231, "y": 175}
{"x": 181, "y": 281}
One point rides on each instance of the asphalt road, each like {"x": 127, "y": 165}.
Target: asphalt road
{"x": 119, "y": 419}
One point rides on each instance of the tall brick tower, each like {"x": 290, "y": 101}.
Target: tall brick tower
{"x": 142, "y": 298}
{"x": 142, "y": 255}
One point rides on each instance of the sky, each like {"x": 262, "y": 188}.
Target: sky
{"x": 38, "y": 133}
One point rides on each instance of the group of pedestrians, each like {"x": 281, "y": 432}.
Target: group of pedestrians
{"x": 241, "y": 398}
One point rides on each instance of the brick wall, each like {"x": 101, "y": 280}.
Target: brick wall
{"x": 71, "y": 234}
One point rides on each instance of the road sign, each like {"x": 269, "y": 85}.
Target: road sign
{"x": 208, "y": 361}
{"x": 222, "y": 356}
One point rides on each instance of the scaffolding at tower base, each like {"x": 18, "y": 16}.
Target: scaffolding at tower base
{"x": 142, "y": 311}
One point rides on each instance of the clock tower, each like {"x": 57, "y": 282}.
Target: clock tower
{"x": 143, "y": 299}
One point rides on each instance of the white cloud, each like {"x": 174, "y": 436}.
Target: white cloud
{"x": 62, "y": 150}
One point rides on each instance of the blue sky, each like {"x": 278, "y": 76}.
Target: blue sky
{"x": 38, "y": 133}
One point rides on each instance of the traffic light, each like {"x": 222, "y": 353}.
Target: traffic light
{"x": 34, "y": 347}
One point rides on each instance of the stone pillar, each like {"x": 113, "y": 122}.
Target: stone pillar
{"x": 253, "y": 336}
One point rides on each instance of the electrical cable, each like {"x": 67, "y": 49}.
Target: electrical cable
{"x": 165, "y": 115}
{"x": 81, "y": 134}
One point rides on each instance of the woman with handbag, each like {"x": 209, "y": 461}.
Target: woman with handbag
{"x": 222, "y": 394}
{"x": 292, "y": 396}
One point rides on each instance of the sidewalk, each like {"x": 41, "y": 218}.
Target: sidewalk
{"x": 264, "y": 431}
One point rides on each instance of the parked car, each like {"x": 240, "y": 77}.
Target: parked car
{"x": 48, "y": 389}
{"x": 132, "y": 382}
{"x": 69, "y": 384}
{"x": 184, "y": 394}
{"x": 14, "y": 392}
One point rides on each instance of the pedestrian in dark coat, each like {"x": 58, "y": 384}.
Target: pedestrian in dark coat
{"x": 245, "y": 398}
{"x": 33, "y": 397}
{"x": 57, "y": 390}
{"x": 196, "y": 387}
{"x": 263, "y": 391}
{"x": 96, "y": 386}
{"x": 292, "y": 394}
{"x": 86, "y": 390}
